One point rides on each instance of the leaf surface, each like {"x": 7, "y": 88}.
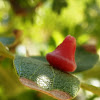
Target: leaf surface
{"x": 41, "y": 76}
{"x": 7, "y": 40}
{"x": 85, "y": 60}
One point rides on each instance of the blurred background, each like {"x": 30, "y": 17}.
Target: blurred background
{"x": 38, "y": 26}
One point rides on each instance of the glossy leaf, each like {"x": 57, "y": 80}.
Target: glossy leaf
{"x": 41, "y": 76}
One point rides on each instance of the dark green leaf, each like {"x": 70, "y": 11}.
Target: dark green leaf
{"x": 41, "y": 76}
{"x": 84, "y": 59}
{"x": 7, "y": 40}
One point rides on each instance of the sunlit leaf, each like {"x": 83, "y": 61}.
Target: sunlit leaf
{"x": 41, "y": 76}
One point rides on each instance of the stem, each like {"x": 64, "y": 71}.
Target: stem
{"x": 93, "y": 89}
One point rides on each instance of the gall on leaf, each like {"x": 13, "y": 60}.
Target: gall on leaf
{"x": 63, "y": 57}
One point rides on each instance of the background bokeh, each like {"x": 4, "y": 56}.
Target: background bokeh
{"x": 39, "y": 26}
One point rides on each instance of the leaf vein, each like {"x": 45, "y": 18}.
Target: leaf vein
{"x": 53, "y": 76}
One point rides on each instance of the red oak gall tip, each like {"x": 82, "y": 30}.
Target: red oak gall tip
{"x": 63, "y": 57}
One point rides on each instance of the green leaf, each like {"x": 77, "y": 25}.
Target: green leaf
{"x": 84, "y": 59}
{"x": 41, "y": 58}
{"x": 41, "y": 76}
{"x": 7, "y": 40}
{"x": 4, "y": 52}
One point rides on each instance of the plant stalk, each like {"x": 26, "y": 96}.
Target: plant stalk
{"x": 93, "y": 89}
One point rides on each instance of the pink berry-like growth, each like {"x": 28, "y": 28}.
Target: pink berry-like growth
{"x": 63, "y": 57}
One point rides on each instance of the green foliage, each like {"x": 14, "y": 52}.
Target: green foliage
{"x": 30, "y": 95}
{"x": 46, "y": 77}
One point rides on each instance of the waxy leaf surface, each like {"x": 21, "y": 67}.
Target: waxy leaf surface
{"x": 39, "y": 75}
